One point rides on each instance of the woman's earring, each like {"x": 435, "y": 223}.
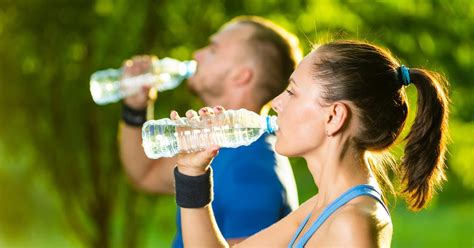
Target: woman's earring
{"x": 327, "y": 133}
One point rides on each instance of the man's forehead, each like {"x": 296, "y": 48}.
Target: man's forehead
{"x": 233, "y": 31}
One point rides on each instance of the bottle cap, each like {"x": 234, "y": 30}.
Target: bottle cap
{"x": 272, "y": 126}
{"x": 191, "y": 66}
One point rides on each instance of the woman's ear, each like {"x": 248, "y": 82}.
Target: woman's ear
{"x": 338, "y": 117}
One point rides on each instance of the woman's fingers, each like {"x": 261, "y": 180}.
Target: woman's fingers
{"x": 190, "y": 114}
{"x": 218, "y": 109}
{"x": 174, "y": 115}
{"x": 195, "y": 161}
{"x": 206, "y": 111}
{"x": 203, "y": 112}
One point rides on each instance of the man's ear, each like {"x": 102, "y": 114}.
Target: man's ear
{"x": 337, "y": 118}
{"x": 242, "y": 75}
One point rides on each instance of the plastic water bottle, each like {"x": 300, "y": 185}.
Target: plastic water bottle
{"x": 232, "y": 128}
{"x": 108, "y": 86}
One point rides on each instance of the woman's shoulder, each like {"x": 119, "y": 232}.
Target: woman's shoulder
{"x": 363, "y": 212}
{"x": 362, "y": 222}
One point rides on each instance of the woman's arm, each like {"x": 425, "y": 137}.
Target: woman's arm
{"x": 194, "y": 193}
{"x": 280, "y": 233}
{"x": 200, "y": 229}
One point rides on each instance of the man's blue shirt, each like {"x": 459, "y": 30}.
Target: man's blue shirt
{"x": 253, "y": 188}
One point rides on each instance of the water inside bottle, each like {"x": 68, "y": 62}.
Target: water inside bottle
{"x": 167, "y": 140}
{"x": 104, "y": 88}
{"x": 108, "y": 86}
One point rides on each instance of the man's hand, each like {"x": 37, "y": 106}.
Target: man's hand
{"x": 136, "y": 66}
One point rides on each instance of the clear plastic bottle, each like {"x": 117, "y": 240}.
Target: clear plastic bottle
{"x": 108, "y": 86}
{"x": 232, "y": 128}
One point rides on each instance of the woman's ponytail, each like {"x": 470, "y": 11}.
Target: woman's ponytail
{"x": 423, "y": 162}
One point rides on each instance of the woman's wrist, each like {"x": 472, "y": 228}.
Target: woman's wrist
{"x": 193, "y": 191}
{"x": 192, "y": 171}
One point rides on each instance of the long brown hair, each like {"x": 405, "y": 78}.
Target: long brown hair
{"x": 370, "y": 77}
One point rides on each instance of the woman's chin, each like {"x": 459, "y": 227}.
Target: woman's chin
{"x": 282, "y": 150}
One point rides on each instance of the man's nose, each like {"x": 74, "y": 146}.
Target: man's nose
{"x": 198, "y": 54}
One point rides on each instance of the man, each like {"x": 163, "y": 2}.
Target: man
{"x": 246, "y": 64}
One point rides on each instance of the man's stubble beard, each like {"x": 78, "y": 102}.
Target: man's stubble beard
{"x": 191, "y": 89}
{"x": 205, "y": 91}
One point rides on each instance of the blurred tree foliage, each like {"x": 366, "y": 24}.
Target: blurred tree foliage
{"x": 59, "y": 170}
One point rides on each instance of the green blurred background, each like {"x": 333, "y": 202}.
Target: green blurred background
{"x": 61, "y": 183}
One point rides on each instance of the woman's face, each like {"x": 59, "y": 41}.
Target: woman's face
{"x": 301, "y": 113}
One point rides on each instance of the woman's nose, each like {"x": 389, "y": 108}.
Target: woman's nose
{"x": 276, "y": 104}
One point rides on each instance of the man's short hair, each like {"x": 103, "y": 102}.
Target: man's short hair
{"x": 277, "y": 53}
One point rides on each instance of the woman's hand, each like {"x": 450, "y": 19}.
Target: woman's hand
{"x": 197, "y": 163}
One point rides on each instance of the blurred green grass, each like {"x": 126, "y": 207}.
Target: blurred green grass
{"x": 440, "y": 226}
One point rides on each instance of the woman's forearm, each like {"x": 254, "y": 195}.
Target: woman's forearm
{"x": 200, "y": 229}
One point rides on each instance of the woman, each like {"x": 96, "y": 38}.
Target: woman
{"x": 345, "y": 106}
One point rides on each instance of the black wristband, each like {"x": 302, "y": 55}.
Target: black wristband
{"x": 132, "y": 116}
{"x": 193, "y": 191}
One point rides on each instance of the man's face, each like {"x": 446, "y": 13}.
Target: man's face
{"x": 217, "y": 60}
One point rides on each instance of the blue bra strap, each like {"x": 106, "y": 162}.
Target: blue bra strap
{"x": 352, "y": 193}
{"x": 300, "y": 228}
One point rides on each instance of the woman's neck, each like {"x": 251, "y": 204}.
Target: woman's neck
{"x": 336, "y": 167}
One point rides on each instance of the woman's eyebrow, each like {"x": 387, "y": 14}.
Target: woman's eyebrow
{"x": 291, "y": 80}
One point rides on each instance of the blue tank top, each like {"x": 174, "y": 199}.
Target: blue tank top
{"x": 352, "y": 193}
